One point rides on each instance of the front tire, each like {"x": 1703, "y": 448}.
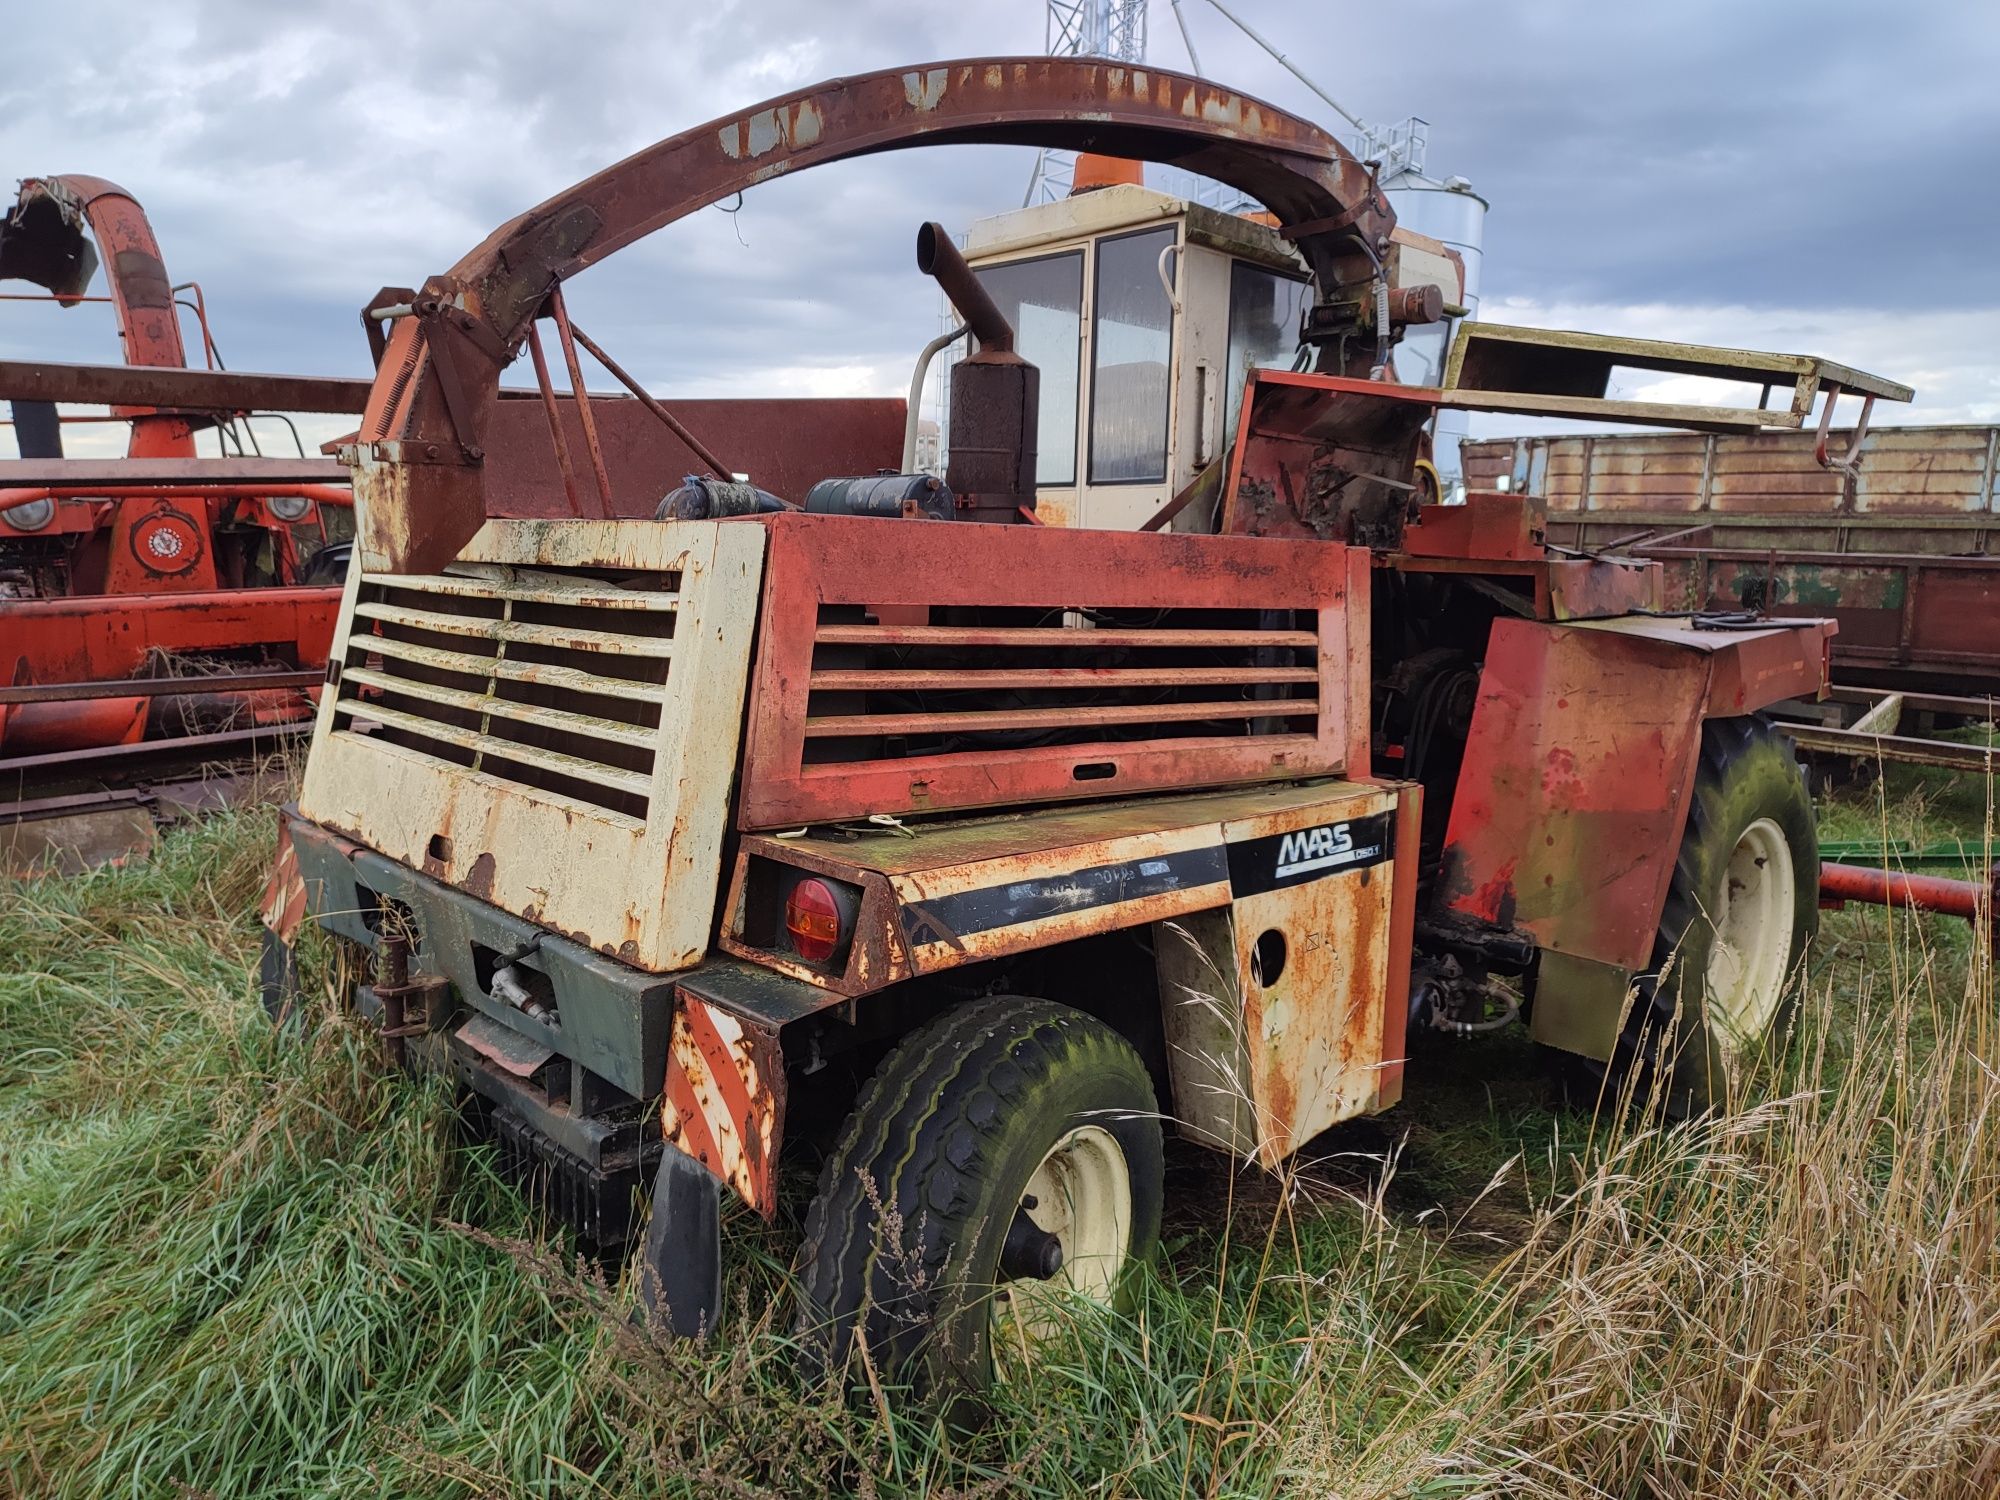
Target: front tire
{"x": 989, "y": 1135}
{"x": 1740, "y": 910}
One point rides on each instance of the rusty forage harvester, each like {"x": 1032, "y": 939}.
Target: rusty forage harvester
{"x": 1158, "y": 763}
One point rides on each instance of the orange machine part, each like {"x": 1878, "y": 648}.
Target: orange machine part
{"x": 1093, "y": 171}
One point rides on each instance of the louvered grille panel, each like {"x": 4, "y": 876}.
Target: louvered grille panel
{"x": 551, "y": 679}
{"x": 1062, "y": 677}
{"x": 920, "y": 667}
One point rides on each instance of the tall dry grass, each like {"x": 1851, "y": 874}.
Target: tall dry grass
{"x": 1801, "y": 1297}
{"x": 235, "y": 1267}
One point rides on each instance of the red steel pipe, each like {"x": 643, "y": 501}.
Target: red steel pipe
{"x": 325, "y": 494}
{"x": 1839, "y": 884}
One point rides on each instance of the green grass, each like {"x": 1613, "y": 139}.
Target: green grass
{"x": 235, "y": 1267}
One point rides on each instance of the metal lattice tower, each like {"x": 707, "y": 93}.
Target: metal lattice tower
{"x": 1098, "y": 28}
{"x": 1111, "y": 29}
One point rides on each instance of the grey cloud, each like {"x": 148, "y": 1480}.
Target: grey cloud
{"x": 1780, "y": 155}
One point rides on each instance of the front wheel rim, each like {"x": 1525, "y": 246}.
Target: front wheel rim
{"x": 1750, "y": 958}
{"x": 1081, "y": 1192}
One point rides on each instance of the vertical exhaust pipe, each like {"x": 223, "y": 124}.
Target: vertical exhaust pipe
{"x": 938, "y": 257}
{"x": 995, "y": 397}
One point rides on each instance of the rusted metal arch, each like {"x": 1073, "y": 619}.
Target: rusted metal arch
{"x": 440, "y": 370}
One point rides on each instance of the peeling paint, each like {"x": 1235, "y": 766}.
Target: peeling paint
{"x": 724, "y": 1099}
{"x": 926, "y": 90}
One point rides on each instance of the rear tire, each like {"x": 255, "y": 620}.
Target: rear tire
{"x": 1740, "y": 910}
{"x": 973, "y": 1114}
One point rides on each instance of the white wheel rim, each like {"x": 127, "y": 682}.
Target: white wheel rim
{"x": 1082, "y": 1194}
{"x": 1752, "y": 951}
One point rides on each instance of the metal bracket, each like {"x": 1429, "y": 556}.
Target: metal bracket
{"x": 1852, "y": 462}
{"x": 390, "y": 302}
{"x": 439, "y": 327}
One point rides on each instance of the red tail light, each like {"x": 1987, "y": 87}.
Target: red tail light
{"x": 813, "y": 921}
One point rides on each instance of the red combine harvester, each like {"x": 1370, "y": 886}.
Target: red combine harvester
{"x": 169, "y": 610}
{"x": 162, "y": 611}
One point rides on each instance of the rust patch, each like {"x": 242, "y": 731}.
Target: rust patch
{"x": 479, "y": 879}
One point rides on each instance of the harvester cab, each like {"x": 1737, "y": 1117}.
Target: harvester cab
{"x": 971, "y": 853}
{"x": 1145, "y": 312}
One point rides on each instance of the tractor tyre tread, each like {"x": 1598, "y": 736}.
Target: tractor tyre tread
{"x": 915, "y": 1173}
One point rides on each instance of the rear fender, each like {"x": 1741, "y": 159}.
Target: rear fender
{"x": 1578, "y": 768}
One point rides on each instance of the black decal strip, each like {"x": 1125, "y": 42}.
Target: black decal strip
{"x": 942, "y": 918}
{"x": 1313, "y": 853}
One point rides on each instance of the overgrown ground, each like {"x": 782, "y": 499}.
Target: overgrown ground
{"x": 236, "y": 1268}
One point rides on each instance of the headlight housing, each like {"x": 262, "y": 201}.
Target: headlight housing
{"x": 30, "y": 515}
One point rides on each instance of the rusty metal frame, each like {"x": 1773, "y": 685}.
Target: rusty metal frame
{"x": 428, "y": 493}
{"x": 554, "y": 414}
{"x": 184, "y": 474}
{"x": 1550, "y": 372}
{"x": 585, "y": 420}
{"x": 179, "y": 391}
{"x": 1879, "y": 732}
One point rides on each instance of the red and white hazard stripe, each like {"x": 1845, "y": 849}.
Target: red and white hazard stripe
{"x": 284, "y": 905}
{"x": 719, "y": 1107}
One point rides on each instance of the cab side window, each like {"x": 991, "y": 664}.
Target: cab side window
{"x": 1043, "y": 299}
{"x": 1264, "y": 312}
{"x": 1131, "y": 355}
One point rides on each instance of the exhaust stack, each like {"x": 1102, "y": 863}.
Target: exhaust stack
{"x": 995, "y": 395}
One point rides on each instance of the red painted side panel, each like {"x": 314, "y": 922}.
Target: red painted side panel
{"x": 1569, "y": 807}
{"x": 96, "y": 637}
{"x": 1050, "y": 669}
{"x": 1569, "y": 810}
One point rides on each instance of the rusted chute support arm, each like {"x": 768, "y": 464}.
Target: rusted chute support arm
{"x": 419, "y": 471}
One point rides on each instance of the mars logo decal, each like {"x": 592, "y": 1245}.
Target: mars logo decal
{"x": 1283, "y": 859}
{"x": 1317, "y": 849}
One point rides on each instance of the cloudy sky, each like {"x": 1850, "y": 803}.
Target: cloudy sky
{"x": 1808, "y": 175}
